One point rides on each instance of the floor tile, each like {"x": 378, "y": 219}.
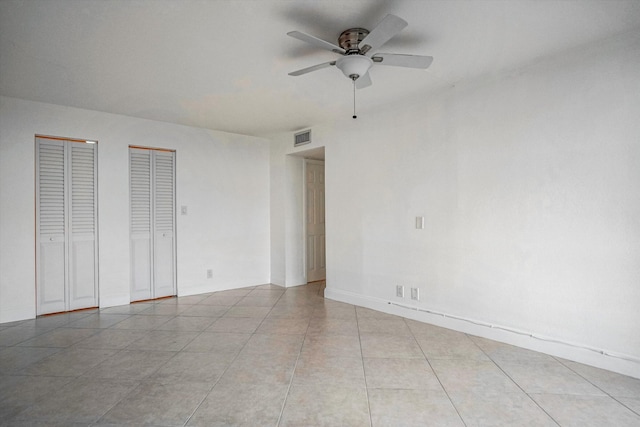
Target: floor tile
{"x": 224, "y": 345}
{"x": 332, "y": 345}
{"x": 391, "y": 407}
{"x": 158, "y": 404}
{"x": 22, "y": 391}
{"x": 313, "y": 405}
{"x": 206, "y": 311}
{"x": 163, "y": 340}
{"x": 98, "y": 321}
{"x": 143, "y": 323}
{"x": 333, "y": 326}
{"x": 246, "y": 325}
{"x": 426, "y": 330}
{"x": 616, "y": 385}
{"x": 460, "y": 347}
{"x": 400, "y": 374}
{"x": 70, "y": 362}
{"x": 269, "y": 293}
{"x": 240, "y": 405}
{"x": 547, "y": 377}
{"x": 224, "y": 300}
{"x": 632, "y": 403}
{"x": 254, "y": 370}
{"x": 188, "y": 300}
{"x": 363, "y": 313}
{"x": 287, "y": 326}
{"x": 262, "y": 301}
{"x": 14, "y": 359}
{"x": 82, "y": 400}
{"x": 131, "y": 364}
{"x": 164, "y": 310}
{"x": 390, "y": 346}
{"x": 273, "y": 345}
{"x": 187, "y": 324}
{"x": 60, "y": 337}
{"x": 586, "y": 411}
{"x": 112, "y": 338}
{"x": 510, "y": 409}
{"x": 292, "y": 311}
{"x": 17, "y": 334}
{"x": 335, "y": 310}
{"x": 266, "y": 355}
{"x": 237, "y": 311}
{"x": 187, "y": 367}
{"x": 375, "y": 326}
{"x": 498, "y": 351}
{"x": 474, "y": 376}
{"x": 318, "y": 370}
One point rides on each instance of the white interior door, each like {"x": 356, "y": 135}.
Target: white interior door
{"x": 164, "y": 225}
{"x": 316, "y": 265}
{"x": 83, "y": 254}
{"x": 152, "y": 192}
{"x": 66, "y": 225}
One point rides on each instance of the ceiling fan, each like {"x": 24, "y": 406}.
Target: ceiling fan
{"x": 358, "y": 46}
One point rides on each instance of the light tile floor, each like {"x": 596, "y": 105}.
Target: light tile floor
{"x": 266, "y": 356}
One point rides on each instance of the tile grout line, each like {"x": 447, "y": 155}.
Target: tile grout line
{"x": 434, "y": 371}
{"x": 295, "y": 366}
{"x": 366, "y": 386}
{"x": 595, "y": 385}
{"x": 518, "y": 385}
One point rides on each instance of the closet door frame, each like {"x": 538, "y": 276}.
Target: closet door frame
{"x": 65, "y": 238}
{"x": 151, "y": 269}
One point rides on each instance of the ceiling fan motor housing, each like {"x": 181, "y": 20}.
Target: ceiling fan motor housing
{"x": 351, "y": 38}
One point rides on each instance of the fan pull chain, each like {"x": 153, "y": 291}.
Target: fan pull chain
{"x": 354, "y": 99}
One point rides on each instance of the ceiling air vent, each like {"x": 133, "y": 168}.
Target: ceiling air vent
{"x": 302, "y": 138}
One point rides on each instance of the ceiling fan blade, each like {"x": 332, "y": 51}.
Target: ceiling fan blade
{"x": 387, "y": 28}
{"x": 399, "y": 60}
{"x": 316, "y": 41}
{"x": 312, "y": 68}
{"x": 363, "y": 81}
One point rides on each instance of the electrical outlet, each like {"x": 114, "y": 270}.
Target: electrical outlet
{"x": 209, "y": 274}
{"x": 415, "y": 294}
{"x": 400, "y": 291}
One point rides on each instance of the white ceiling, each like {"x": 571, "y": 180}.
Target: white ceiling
{"x": 223, "y": 64}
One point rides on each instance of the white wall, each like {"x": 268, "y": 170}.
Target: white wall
{"x": 222, "y": 178}
{"x": 287, "y": 228}
{"x": 529, "y": 183}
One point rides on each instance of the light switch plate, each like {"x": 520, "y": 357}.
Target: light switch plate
{"x": 183, "y": 210}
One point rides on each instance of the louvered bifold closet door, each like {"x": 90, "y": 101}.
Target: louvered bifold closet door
{"x": 51, "y": 256}
{"x": 83, "y": 213}
{"x": 152, "y": 223}
{"x": 66, "y": 225}
{"x": 164, "y": 224}
{"x": 140, "y": 203}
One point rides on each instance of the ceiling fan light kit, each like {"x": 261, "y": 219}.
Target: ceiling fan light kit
{"x": 354, "y": 66}
{"x": 357, "y": 47}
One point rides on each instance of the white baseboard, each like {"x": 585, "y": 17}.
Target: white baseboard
{"x": 622, "y": 364}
